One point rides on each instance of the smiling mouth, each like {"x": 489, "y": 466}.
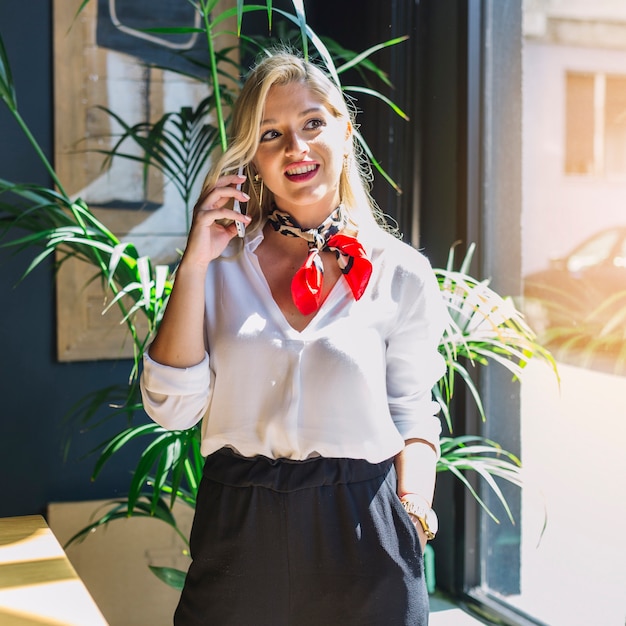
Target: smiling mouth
{"x": 301, "y": 170}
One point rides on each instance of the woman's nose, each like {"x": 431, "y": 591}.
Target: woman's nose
{"x": 296, "y": 144}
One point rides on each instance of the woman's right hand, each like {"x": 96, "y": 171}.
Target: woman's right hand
{"x": 179, "y": 341}
{"x": 207, "y": 237}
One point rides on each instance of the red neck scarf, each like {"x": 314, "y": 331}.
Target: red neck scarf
{"x": 306, "y": 286}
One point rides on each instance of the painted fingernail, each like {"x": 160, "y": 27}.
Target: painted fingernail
{"x": 245, "y": 195}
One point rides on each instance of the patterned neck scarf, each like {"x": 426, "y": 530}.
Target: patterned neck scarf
{"x": 306, "y": 286}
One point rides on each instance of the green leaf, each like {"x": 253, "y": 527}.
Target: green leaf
{"x": 376, "y": 94}
{"x": 239, "y": 9}
{"x": 359, "y": 58}
{"x": 7, "y": 88}
{"x": 143, "y": 267}
{"x": 374, "y": 162}
{"x": 118, "y": 510}
{"x": 484, "y": 327}
{"x": 42, "y": 256}
{"x": 83, "y": 4}
{"x": 170, "y": 576}
{"x": 298, "y": 6}
{"x": 117, "y": 442}
{"x": 487, "y": 459}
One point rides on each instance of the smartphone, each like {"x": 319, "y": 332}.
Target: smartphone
{"x": 241, "y": 228}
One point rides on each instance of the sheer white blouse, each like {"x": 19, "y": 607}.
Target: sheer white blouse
{"x": 355, "y": 383}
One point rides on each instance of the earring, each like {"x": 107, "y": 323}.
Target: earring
{"x": 258, "y": 179}
{"x": 344, "y": 178}
{"x": 345, "y": 170}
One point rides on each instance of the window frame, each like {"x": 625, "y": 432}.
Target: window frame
{"x": 493, "y": 109}
{"x": 485, "y": 81}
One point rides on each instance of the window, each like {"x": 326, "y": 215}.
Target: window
{"x": 568, "y": 229}
{"x": 595, "y": 124}
{"x": 580, "y": 124}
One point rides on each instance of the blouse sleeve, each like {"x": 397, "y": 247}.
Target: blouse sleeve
{"x": 175, "y": 398}
{"x": 414, "y": 363}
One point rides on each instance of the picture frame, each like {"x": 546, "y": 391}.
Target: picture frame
{"x": 103, "y": 57}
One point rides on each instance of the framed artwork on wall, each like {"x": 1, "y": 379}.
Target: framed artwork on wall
{"x": 104, "y": 57}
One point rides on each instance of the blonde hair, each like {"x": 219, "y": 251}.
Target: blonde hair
{"x": 282, "y": 68}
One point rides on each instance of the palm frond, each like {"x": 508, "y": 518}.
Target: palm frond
{"x": 170, "y": 576}
{"x": 168, "y": 454}
{"x": 178, "y": 145}
{"x": 486, "y": 458}
{"x": 118, "y": 510}
{"x": 7, "y": 87}
{"x": 361, "y": 60}
{"x": 484, "y": 327}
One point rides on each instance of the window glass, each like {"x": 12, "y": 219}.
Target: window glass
{"x": 620, "y": 258}
{"x": 592, "y": 253}
{"x": 615, "y": 126}
{"x": 562, "y": 562}
{"x": 579, "y": 123}
{"x": 595, "y": 124}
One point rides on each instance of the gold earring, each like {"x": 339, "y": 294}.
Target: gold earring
{"x": 258, "y": 179}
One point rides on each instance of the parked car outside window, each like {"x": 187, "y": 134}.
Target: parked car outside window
{"x": 578, "y": 304}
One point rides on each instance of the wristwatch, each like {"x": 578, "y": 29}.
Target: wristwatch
{"x": 423, "y": 513}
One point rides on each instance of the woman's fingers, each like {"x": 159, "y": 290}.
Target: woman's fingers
{"x": 210, "y": 216}
{"x": 224, "y": 191}
{"x": 213, "y": 207}
{"x": 212, "y": 226}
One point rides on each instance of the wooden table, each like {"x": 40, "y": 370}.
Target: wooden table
{"x": 38, "y": 585}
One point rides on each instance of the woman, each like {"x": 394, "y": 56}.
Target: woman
{"x": 309, "y": 350}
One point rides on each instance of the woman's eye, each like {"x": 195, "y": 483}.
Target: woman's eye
{"x": 314, "y": 124}
{"x": 269, "y": 135}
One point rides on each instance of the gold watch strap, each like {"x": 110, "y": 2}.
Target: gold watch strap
{"x": 420, "y": 513}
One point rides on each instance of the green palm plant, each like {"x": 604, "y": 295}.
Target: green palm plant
{"x": 178, "y": 145}
{"x": 60, "y": 225}
{"x": 484, "y": 326}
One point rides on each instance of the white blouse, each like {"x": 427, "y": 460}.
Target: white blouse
{"x": 355, "y": 383}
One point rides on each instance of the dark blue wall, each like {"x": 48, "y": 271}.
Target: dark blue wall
{"x": 35, "y": 390}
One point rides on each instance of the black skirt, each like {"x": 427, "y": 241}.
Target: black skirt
{"x": 321, "y": 542}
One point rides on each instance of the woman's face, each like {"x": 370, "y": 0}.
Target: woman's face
{"x": 301, "y": 151}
